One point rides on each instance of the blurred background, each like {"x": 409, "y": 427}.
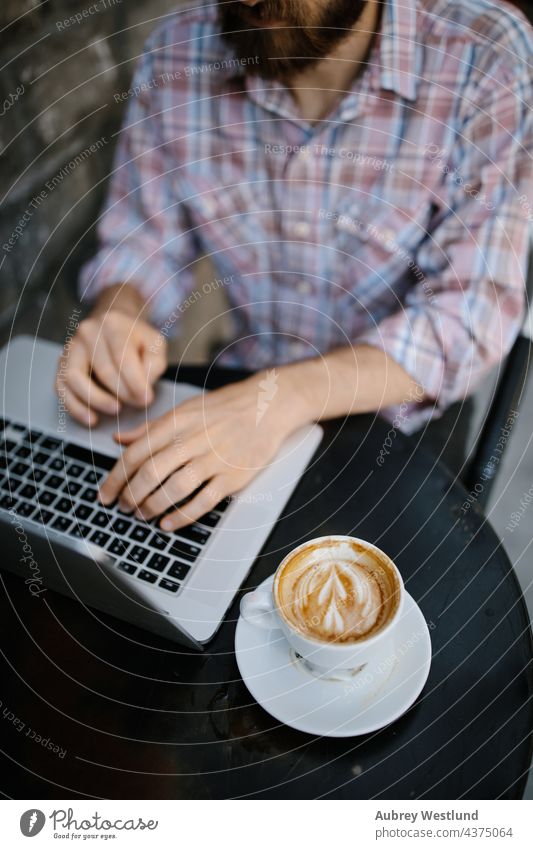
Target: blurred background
{"x": 58, "y": 84}
{"x": 58, "y": 106}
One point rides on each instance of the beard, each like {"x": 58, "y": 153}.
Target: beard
{"x": 306, "y": 37}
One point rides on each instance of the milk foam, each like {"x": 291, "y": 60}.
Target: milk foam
{"x": 337, "y": 592}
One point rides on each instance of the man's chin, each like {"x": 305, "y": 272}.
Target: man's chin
{"x": 264, "y": 54}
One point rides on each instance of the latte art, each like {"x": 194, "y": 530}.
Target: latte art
{"x": 337, "y": 592}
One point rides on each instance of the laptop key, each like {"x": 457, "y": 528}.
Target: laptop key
{"x": 99, "y": 538}
{"x": 64, "y": 505}
{"x": 46, "y": 497}
{"x": 54, "y": 481}
{"x": 40, "y": 458}
{"x": 74, "y": 470}
{"x": 128, "y": 567}
{"x": 210, "y": 519}
{"x": 118, "y": 547}
{"x": 57, "y": 464}
{"x": 49, "y": 443}
{"x": 92, "y": 458}
{"x": 82, "y": 511}
{"x": 72, "y": 487}
{"x": 101, "y": 519}
{"x": 138, "y": 554}
{"x": 7, "y": 502}
{"x": 179, "y": 571}
{"x": 89, "y": 494}
{"x": 149, "y": 577}
{"x": 18, "y": 427}
{"x": 25, "y": 509}
{"x": 24, "y": 451}
{"x": 12, "y": 483}
{"x": 93, "y": 476}
{"x": 7, "y": 445}
{"x": 121, "y": 526}
{"x": 158, "y": 562}
{"x": 44, "y": 516}
{"x": 80, "y": 531}
{"x": 184, "y": 550}
{"x": 159, "y": 541}
{"x": 223, "y": 505}
{"x": 38, "y": 475}
{"x": 19, "y": 469}
{"x": 28, "y": 491}
{"x": 140, "y": 533}
{"x": 171, "y": 586}
{"x": 62, "y": 523}
{"x": 194, "y": 534}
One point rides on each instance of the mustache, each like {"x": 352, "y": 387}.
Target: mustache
{"x": 269, "y": 10}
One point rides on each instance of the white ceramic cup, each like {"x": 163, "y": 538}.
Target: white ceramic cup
{"x": 326, "y": 659}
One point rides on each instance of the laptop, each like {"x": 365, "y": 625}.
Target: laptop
{"x": 56, "y": 535}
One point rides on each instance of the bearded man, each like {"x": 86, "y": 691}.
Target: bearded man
{"x": 359, "y": 173}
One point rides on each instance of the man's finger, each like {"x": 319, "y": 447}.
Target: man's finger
{"x": 148, "y": 477}
{"x": 92, "y": 395}
{"x": 208, "y": 497}
{"x": 131, "y": 371}
{"x": 155, "y": 361}
{"x": 126, "y": 437}
{"x": 176, "y": 488}
{"x": 103, "y": 366}
{"x": 75, "y": 407}
{"x": 155, "y": 439}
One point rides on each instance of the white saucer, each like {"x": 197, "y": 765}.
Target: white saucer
{"x": 283, "y": 687}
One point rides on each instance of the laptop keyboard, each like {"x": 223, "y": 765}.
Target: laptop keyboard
{"x": 54, "y": 483}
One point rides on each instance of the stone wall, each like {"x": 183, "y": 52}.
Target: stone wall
{"x": 63, "y": 61}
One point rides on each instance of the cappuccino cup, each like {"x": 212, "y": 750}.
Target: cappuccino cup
{"x": 337, "y": 600}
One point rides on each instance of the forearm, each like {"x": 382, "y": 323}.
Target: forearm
{"x": 124, "y": 298}
{"x": 349, "y": 380}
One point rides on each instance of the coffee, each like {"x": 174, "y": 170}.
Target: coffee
{"x": 337, "y": 591}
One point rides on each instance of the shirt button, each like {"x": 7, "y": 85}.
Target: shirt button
{"x": 302, "y": 229}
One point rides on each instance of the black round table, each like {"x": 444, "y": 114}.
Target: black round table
{"x": 92, "y": 707}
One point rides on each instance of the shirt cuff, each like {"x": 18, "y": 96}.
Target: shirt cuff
{"x": 398, "y": 336}
{"x": 154, "y": 280}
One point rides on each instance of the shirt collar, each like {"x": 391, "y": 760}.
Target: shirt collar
{"x": 397, "y": 52}
{"x": 399, "y": 48}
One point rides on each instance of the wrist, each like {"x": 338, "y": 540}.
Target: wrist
{"x": 123, "y": 298}
{"x": 281, "y": 392}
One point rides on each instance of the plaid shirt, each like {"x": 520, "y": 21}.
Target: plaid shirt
{"x": 399, "y": 221}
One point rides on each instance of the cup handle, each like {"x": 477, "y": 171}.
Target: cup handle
{"x": 257, "y": 608}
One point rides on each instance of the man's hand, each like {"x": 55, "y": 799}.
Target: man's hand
{"x": 218, "y": 441}
{"x": 114, "y": 359}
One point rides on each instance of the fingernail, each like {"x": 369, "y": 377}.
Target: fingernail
{"x": 167, "y": 525}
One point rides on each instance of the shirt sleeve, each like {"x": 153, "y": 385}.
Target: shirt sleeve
{"x": 464, "y": 312}
{"x": 143, "y": 235}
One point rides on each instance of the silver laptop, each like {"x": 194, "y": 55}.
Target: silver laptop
{"x": 55, "y": 534}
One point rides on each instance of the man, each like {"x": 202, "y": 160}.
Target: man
{"x": 357, "y": 172}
